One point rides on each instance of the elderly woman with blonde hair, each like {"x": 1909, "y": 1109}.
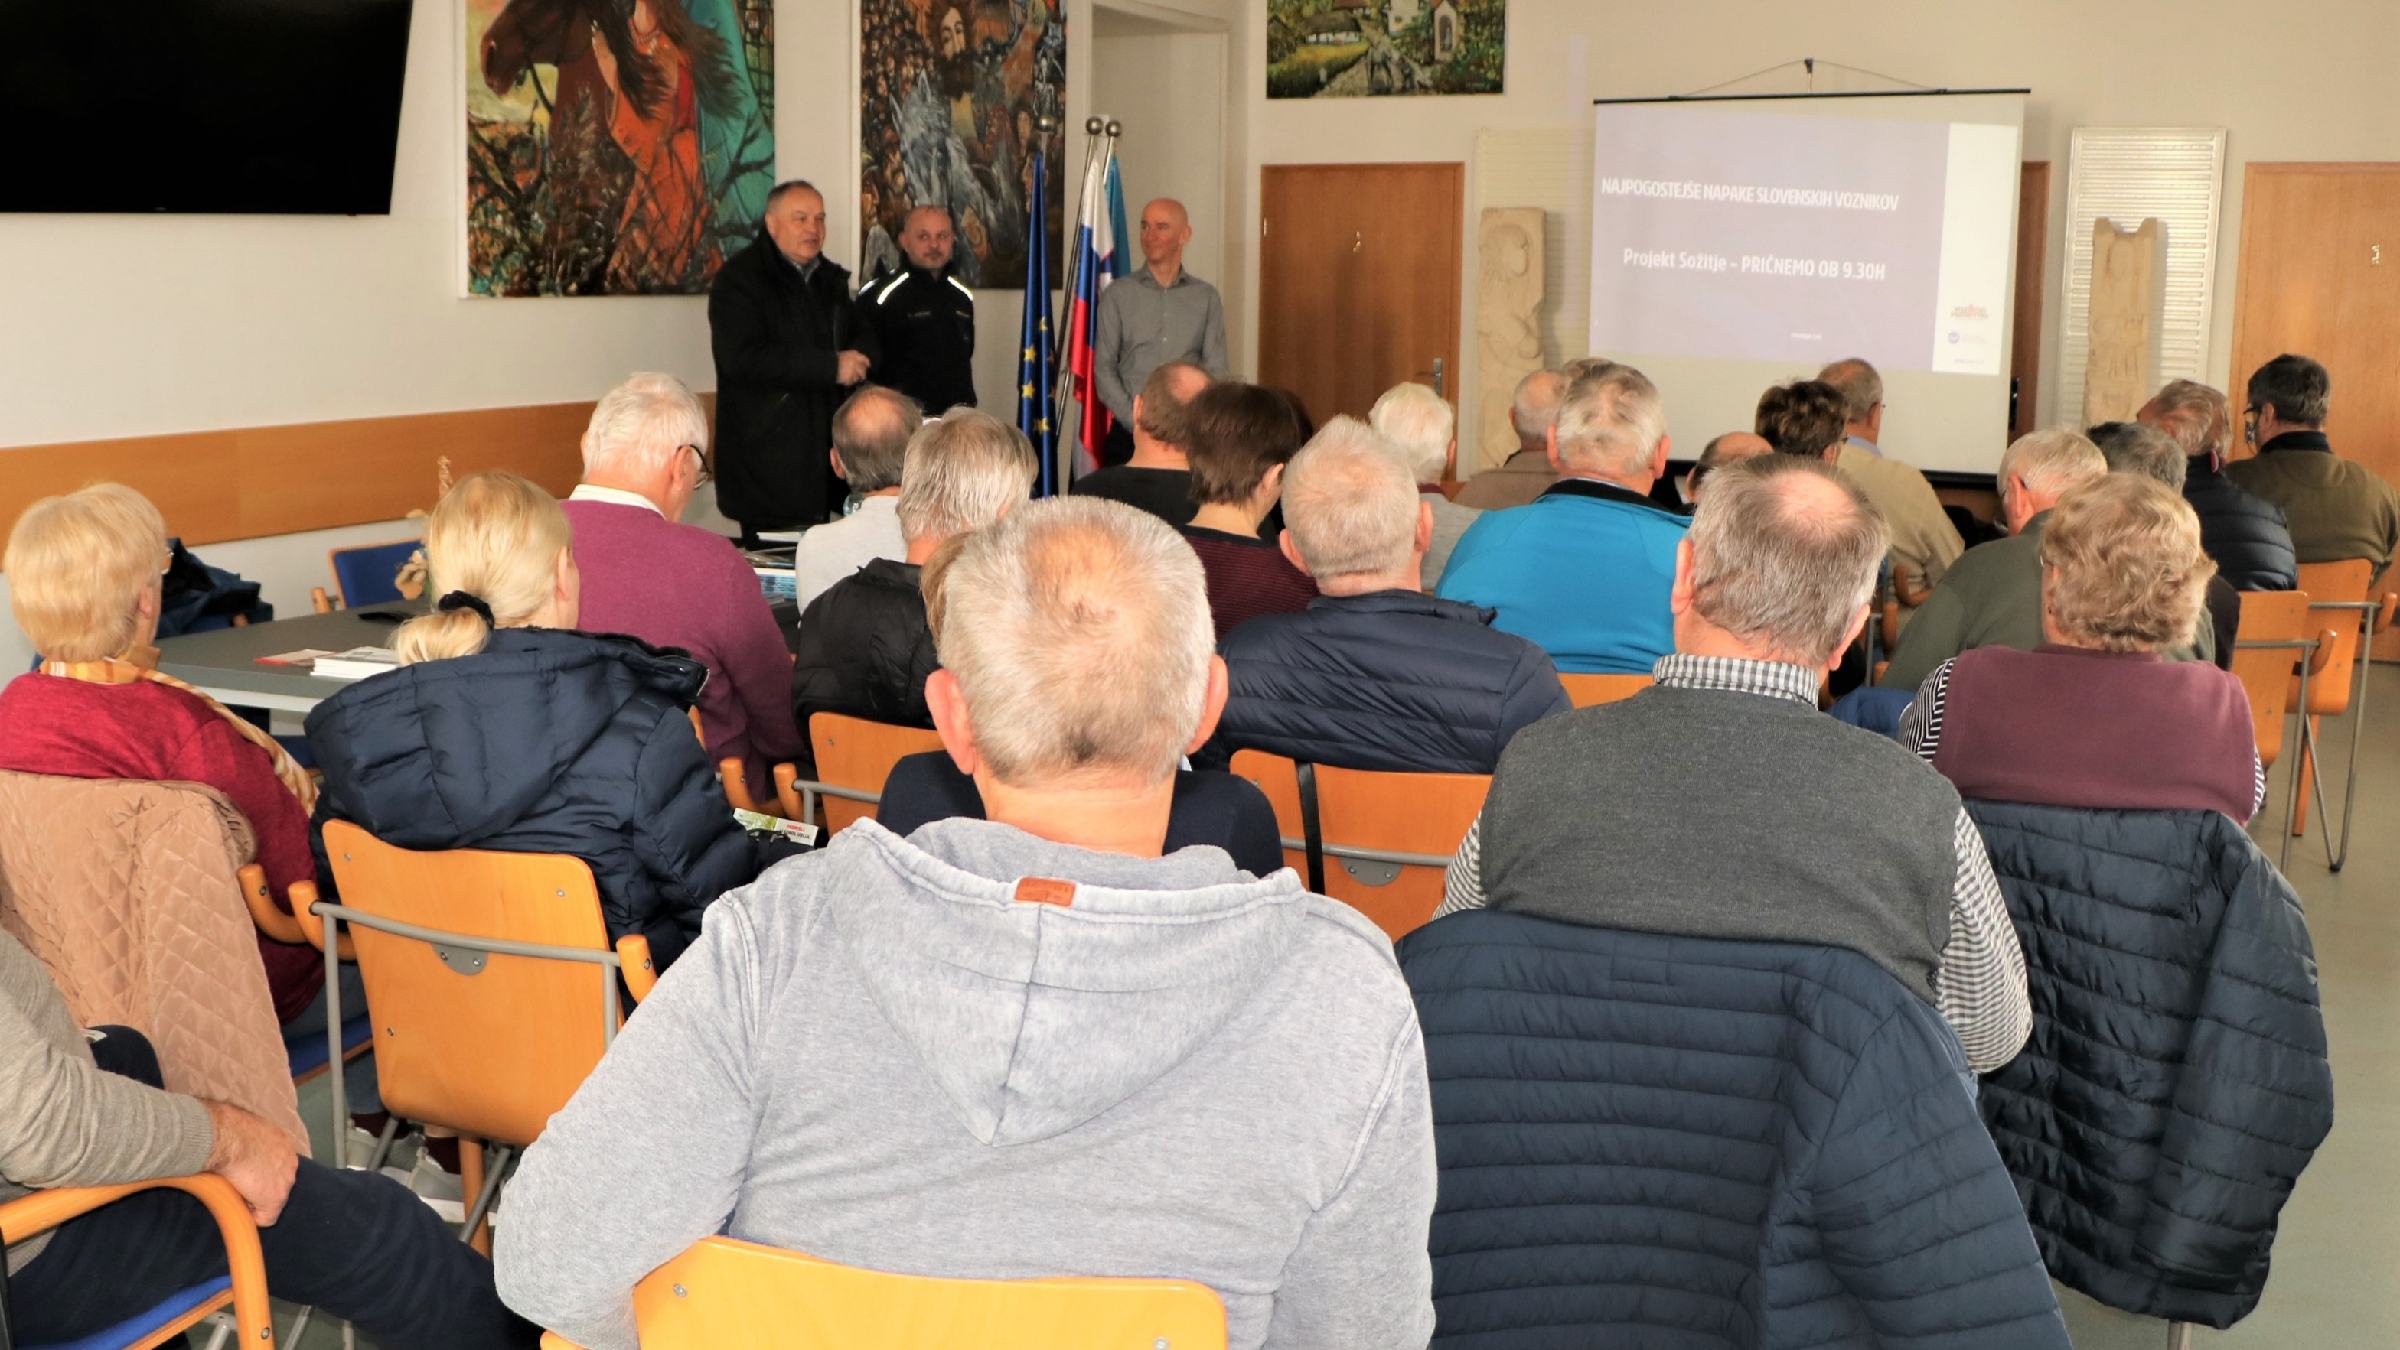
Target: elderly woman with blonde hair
{"x": 505, "y": 729}
{"x": 2096, "y": 716}
{"x": 84, "y": 575}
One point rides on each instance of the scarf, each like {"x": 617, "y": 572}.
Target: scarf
{"x": 140, "y": 666}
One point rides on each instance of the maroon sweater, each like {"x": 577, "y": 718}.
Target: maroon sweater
{"x": 2064, "y": 726}
{"x": 677, "y": 585}
{"x": 76, "y": 729}
{"x": 1247, "y": 577}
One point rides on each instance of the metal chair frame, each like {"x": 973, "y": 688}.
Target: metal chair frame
{"x": 2305, "y": 647}
{"x": 2337, "y": 845}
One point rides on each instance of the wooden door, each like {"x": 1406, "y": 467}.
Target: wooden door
{"x": 2320, "y": 275}
{"x": 1359, "y": 277}
{"x": 2033, "y": 254}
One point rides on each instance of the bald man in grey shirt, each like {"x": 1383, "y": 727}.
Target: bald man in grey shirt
{"x": 1160, "y": 313}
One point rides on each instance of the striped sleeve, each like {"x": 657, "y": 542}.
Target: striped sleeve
{"x": 1980, "y": 986}
{"x": 1921, "y": 725}
{"x": 1462, "y": 884}
{"x": 2258, "y": 781}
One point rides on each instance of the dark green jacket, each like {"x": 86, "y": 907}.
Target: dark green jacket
{"x": 2337, "y": 508}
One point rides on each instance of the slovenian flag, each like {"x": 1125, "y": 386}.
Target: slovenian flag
{"x": 1099, "y": 260}
{"x": 1035, "y": 378}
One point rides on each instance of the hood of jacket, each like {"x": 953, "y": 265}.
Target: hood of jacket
{"x": 445, "y": 753}
{"x": 1036, "y": 1016}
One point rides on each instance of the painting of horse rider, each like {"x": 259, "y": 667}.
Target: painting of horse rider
{"x": 615, "y": 147}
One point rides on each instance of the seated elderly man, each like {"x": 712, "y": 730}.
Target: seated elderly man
{"x": 871, "y": 433}
{"x": 1730, "y": 448}
{"x": 1158, "y": 478}
{"x": 1924, "y": 542}
{"x": 1770, "y": 588}
{"x": 1526, "y": 472}
{"x": 1375, "y": 674}
{"x": 1423, "y": 430}
{"x": 2337, "y": 508}
{"x": 864, "y": 645}
{"x": 1584, "y": 571}
{"x": 75, "y": 1111}
{"x": 2146, "y": 451}
{"x": 1025, "y": 1046}
{"x": 675, "y": 585}
{"x": 1992, "y": 596}
{"x": 2095, "y": 716}
{"x": 2243, "y": 532}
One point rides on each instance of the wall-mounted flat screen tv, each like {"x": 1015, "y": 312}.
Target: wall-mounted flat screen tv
{"x": 220, "y": 106}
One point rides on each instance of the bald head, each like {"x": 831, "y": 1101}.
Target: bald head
{"x": 1779, "y": 564}
{"x": 1730, "y": 448}
{"x": 1158, "y": 427}
{"x": 1166, "y": 228}
{"x": 1534, "y": 410}
{"x": 870, "y": 437}
{"x": 927, "y": 237}
{"x": 1861, "y": 388}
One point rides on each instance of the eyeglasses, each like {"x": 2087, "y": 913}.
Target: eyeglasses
{"x": 708, "y": 474}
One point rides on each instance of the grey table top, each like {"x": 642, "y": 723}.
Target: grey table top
{"x": 225, "y": 663}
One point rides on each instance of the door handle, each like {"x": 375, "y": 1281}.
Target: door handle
{"x": 1436, "y": 376}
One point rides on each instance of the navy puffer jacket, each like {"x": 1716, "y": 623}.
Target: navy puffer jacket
{"x": 1390, "y": 680}
{"x": 2176, "y": 1081}
{"x": 2242, "y": 532}
{"x": 1672, "y": 1143}
{"x": 546, "y": 742}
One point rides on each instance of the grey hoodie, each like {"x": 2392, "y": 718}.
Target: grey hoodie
{"x": 879, "y": 1056}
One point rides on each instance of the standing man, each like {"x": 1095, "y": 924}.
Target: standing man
{"x": 789, "y": 347}
{"x": 1159, "y": 314}
{"x": 925, "y": 318}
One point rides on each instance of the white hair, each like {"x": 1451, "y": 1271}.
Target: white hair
{"x": 1534, "y": 409}
{"x": 961, "y": 473}
{"x": 1610, "y": 422}
{"x": 1420, "y": 426}
{"x": 2053, "y": 461}
{"x": 1350, "y": 503}
{"x": 640, "y": 426}
{"x": 1078, "y": 630}
{"x": 1785, "y": 550}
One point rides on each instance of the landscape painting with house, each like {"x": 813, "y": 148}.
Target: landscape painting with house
{"x": 1365, "y": 48}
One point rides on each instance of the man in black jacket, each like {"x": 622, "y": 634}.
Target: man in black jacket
{"x": 865, "y": 647}
{"x": 2243, "y": 532}
{"x": 924, "y": 319}
{"x": 1374, "y": 674}
{"x": 789, "y": 345}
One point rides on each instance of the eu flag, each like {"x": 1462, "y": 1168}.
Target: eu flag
{"x": 1036, "y": 378}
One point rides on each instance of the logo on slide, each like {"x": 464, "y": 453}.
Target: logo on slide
{"x": 1953, "y": 337}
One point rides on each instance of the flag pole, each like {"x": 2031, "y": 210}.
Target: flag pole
{"x": 1092, "y": 127}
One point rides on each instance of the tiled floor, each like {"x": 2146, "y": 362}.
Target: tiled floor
{"x": 2336, "y": 1282}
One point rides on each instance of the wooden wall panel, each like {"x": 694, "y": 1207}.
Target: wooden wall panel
{"x": 252, "y": 482}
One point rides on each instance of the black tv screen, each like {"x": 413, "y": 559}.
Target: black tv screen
{"x": 228, "y": 106}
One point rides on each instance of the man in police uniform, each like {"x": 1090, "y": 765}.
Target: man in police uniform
{"x": 925, "y": 319}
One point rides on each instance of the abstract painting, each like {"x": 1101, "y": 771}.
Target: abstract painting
{"x": 953, "y": 93}
{"x": 615, "y": 147}
{"x": 1376, "y": 48}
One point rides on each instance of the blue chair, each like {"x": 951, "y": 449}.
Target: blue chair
{"x": 245, "y": 1290}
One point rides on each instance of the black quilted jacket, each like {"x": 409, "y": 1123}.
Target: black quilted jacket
{"x": 2176, "y": 1081}
{"x": 546, "y": 742}
{"x": 1673, "y": 1143}
{"x": 2243, "y": 532}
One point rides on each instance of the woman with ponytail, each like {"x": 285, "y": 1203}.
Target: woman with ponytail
{"x": 505, "y": 729}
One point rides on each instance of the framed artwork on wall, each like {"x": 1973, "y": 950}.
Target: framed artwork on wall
{"x": 1385, "y": 48}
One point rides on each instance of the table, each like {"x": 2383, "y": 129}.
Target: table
{"x": 224, "y": 664}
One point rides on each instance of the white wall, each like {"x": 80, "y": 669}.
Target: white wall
{"x": 1166, "y": 86}
{"x": 136, "y": 325}
{"x": 2310, "y": 81}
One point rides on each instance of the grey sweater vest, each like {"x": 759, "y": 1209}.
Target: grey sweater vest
{"x": 1713, "y": 813}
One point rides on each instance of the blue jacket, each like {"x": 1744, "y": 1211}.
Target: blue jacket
{"x": 1650, "y": 1142}
{"x": 546, "y": 742}
{"x": 2176, "y": 1080}
{"x": 1583, "y": 571}
{"x": 1390, "y": 680}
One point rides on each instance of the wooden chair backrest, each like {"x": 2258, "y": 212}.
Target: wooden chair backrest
{"x": 1421, "y": 813}
{"x": 2334, "y": 583}
{"x": 855, "y": 753}
{"x": 488, "y": 1051}
{"x": 723, "y": 1292}
{"x": 1590, "y": 691}
{"x": 732, "y": 776}
{"x": 2266, "y": 676}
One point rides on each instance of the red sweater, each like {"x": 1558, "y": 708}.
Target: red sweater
{"x": 76, "y": 729}
{"x": 1247, "y": 577}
